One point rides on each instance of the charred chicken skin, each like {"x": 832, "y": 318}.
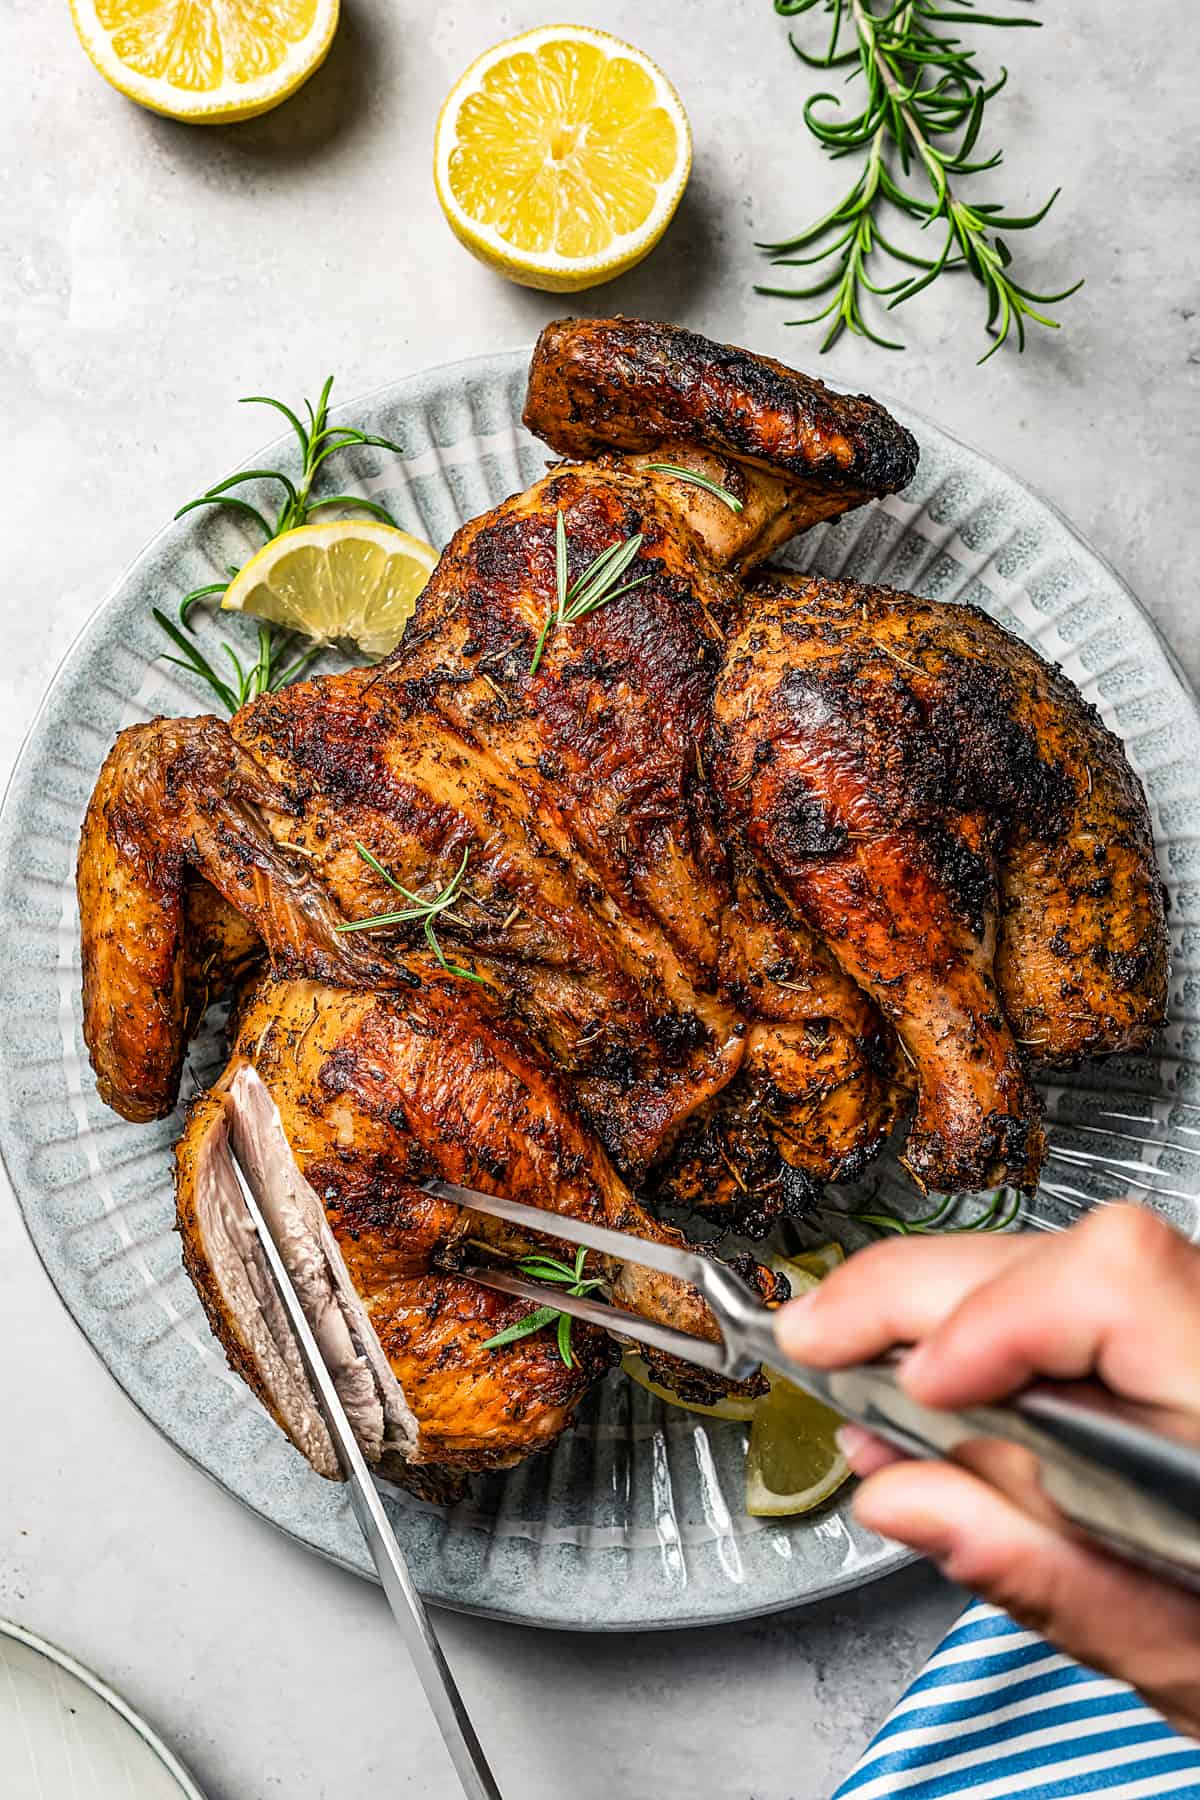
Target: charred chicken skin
{"x": 966, "y": 837}
{"x": 749, "y": 858}
{"x": 376, "y": 1093}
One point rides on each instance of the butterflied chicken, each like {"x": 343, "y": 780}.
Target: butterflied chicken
{"x": 742, "y": 862}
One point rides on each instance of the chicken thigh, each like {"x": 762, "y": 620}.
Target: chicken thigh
{"x": 964, "y": 835}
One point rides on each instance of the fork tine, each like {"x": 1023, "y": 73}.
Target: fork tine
{"x": 700, "y": 1351}
{"x": 621, "y": 1245}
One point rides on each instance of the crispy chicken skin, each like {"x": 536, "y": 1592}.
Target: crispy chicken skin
{"x": 603, "y": 385}
{"x": 177, "y": 800}
{"x": 965, "y": 836}
{"x": 220, "y": 948}
{"x": 377, "y": 1093}
{"x": 599, "y": 897}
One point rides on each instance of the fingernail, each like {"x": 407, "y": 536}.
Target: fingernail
{"x": 853, "y": 1442}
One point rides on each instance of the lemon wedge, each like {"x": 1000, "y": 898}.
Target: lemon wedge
{"x": 349, "y": 579}
{"x": 793, "y": 1464}
{"x": 805, "y": 1270}
{"x": 560, "y": 157}
{"x": 208, "y": 61}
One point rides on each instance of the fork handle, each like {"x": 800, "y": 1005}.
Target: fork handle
{"x": 1123, "y": 1474}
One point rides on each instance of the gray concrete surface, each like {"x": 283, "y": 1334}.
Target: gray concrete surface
{"x": 150, "y": 273}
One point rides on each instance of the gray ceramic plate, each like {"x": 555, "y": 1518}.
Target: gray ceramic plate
{"x": 635, "y": 1521}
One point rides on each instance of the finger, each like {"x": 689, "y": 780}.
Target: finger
{"x": 892, "y": 1293}
{"x": 1070, "y": 1593}
{"x": 1119, "y": 1296}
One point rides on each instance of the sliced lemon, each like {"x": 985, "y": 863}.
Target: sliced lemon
{"x": 794, "y": 1463}
{"x": 349, "y": 579}
{"x": 560, "y": 157}
{"x": 209, "y": 61}
{"x": 733, "y": 1406}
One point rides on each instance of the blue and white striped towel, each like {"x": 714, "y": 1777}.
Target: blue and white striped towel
{"x": 997, "y": 1712}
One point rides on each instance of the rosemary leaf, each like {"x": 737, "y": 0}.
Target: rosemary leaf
{"x": 419, "y": 906}
{"x": 541, "y": 1266}
{"x": 277, "y": 664}
{"x": 525, "y": 1327}
{"x": 701, "y": 481}
{"x": 599, "y": 583}
{"x": 1003, "y": 1209}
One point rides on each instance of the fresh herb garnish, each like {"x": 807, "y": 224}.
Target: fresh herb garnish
{"x": 920, "y": 120}
{"x": 277, "y": 663}
{"x": 418, "y": 907}
{"x": 270, "y": 670}
{"x": 543, "y": 1267}
{"x": 701, "y": 481}
{"x": 1001, "y": 1212}
{"x": 599, "y": 583}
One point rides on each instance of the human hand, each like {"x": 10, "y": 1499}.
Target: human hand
{"x": 1117, "y": 1297}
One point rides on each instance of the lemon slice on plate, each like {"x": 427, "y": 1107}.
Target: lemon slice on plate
{"x": 560, "y": 157}
{"x": 349, "y": 579}
{"x": 806, "y": 1270}
{"x": 209, "y": 61}
{"x": 793, "y": 1464}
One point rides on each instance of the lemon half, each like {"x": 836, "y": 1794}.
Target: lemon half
{"x": 208, "y": 61}
{"x": 350, "y": 579}
{"x": 793, "y": 1463}
{"x": 560, "y": 157}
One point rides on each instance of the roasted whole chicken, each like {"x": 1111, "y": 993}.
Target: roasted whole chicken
{"x": 755, "y": 866}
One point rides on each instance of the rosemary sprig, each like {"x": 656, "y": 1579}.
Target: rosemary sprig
{"x": 419, "y": 907}
{"x": 318, "y": 441}
{"x": 701, "y": 481}
{"x": 599, "y": 583}
{"x": 1001, "y": 1212}
{"x": 920, "y": 121}
{"x": 270, "y": 669}
{"x": 543, "y": 1267}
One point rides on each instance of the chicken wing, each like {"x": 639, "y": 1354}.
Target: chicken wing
{"x": 791, "y": 451}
